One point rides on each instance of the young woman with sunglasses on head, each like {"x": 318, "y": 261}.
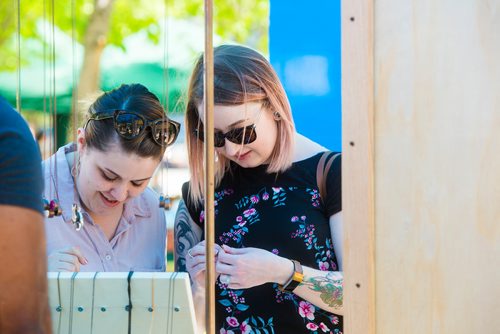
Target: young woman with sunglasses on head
{"x": 278, "y": 244}
{"x": 117, "y": 151}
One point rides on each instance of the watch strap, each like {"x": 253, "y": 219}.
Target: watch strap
{"x": 295, "y": 279}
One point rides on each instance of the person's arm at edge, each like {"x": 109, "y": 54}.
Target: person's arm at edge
{"x": 186, "y": 235}
{"x": 325, "y": 288}
{"x": 164, "y": 237}
{"x": 24, "y": 294}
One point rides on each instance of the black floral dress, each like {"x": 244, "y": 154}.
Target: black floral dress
{"x": 284, "y": 215}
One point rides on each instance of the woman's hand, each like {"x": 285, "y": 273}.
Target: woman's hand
{"x": 196, "y": 263}
{"x": 68, "y": 259}
{"x": 243, "y": 268}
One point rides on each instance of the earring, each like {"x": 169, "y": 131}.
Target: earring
{"x": 277, "y": 116}
{"x": 76, "y": 168}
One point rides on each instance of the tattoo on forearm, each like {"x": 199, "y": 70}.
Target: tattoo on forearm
{"x": 330, "y": 288}
{"x": 184, "y": 238}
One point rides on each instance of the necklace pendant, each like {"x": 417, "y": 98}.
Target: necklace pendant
{"x": 77, "y": 217}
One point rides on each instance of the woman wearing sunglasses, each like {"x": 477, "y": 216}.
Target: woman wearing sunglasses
{"x": 117, "y": 151}
{"x": 279, "y": 246}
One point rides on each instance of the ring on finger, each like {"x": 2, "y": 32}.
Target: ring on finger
{"x": 189, "y": 253}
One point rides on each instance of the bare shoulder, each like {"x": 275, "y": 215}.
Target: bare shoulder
{"x": 306, "y": 148}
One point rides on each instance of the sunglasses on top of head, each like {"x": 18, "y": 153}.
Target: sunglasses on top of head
{"x": 129, "y": 125}
{"x": 244, "y": 135}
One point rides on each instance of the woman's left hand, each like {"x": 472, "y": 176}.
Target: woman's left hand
{"x": 243, "y": 268}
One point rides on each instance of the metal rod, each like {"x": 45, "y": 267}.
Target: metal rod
{"x": 208, "y": 107}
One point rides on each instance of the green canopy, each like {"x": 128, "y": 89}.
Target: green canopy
{"x": 153, "y": 77}
{"x": 33, "y": 98}
{"x": 150, "y": 75}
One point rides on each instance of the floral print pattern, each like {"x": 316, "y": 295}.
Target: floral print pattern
{"x": 308, "y": 312}
{"x": 315, "y": 198}
{"x": 324, "y": 254}
{"x": 288, "y": 221}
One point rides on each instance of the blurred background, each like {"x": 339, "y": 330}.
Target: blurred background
{"x": 56, "y": 56}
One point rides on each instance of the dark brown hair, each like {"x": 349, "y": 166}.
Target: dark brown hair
{"x": 134, "y": 97}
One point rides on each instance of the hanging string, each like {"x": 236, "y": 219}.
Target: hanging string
{"x": 71, "y": 302}
{"x": 152, "y": 307}
{"x": 47, "y": 113}
{"x": 76, "y": 216}
{"x": 165, "y": 201}
{"x": 171, "y": 301}
{"x": 59, "y": 308}
{"x": 54, "y": 97}
{"x": 165, "y": 92}
{"x": 165, "y": 58}
{"x": 93, "y": 299}
{"x": 45, "y": 130}
{"x": 129, "y": 306}
{"x": 74, "y": 85}
{"x": 18, "y": 27}
{"x": 53, "y": 207}
{"x": 45, "y": 79}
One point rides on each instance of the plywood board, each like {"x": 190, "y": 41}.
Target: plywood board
{"x": 357, "y": 166}
{"x": 437, "y": 166}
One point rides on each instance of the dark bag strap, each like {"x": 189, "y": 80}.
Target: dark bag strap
{"x": 324, "y": 164}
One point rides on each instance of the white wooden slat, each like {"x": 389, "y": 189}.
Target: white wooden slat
{"x": 161, "y": 303}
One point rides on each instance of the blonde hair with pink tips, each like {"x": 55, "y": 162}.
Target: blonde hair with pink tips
{"x": 241, "y": 75}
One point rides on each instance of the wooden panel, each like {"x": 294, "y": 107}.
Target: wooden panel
{"x": 81, "y": 304}
{"x": 96, "y": 303}
{"x": 357, "y": 166}
{"x": 110, "y": 299}
{"x": 437, "y": 166}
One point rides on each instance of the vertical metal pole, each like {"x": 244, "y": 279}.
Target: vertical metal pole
{"x": 208, "y": 106}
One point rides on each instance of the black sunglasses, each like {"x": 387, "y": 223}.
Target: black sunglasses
{"x": 129, "y": 124}
{"x": 244, "y": 135}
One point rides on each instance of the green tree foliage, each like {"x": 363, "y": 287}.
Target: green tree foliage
{"x": 241, "y": 21}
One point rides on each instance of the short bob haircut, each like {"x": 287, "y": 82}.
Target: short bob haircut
{"x": 241, "y": 75}
{"x": 134, "y": 97}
